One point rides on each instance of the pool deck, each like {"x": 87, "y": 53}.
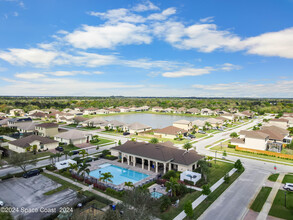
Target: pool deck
{"x": 151, "y": 175}
{"x": 158, "y": 188}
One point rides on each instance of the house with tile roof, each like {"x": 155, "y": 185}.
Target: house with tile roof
{"x": 47, "y": 129}
{"x": 170, "y": 132}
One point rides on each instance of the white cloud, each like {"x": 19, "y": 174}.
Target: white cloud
{"x": 147, "y": 6}
{"x": 28, "y": 56}
{"x": 207, "y": 19}
{"x": 109, "y": 36}
{"x": 29, "y": 75}
{"x": 149, "y": 64}
{"x": 162, "y": 16}
{"x": 272, "y": 44}
{"x": 229, "y": 67}
{"x": 244, "y": 89}
{"x": 188, "y": 72}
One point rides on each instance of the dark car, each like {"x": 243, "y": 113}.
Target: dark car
{"x": 74, "y": 152}
{"x": 31, "y": 173}
{"x": 59, "y": 149}
{"x": 191, "y": 136}
{"x": 126, "y": 133}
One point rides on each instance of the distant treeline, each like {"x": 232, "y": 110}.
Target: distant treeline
{"x": 258, "y": 105}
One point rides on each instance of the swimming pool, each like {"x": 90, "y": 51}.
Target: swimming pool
{"x": 156, "y": 195}
{"x": 120, "y": 174}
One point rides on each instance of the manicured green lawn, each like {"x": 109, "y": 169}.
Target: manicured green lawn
{"x": 218, "y": 170}
{"x": 288, "y": 178}
{"x": 172, "y": 212}
{"x": 102, "y": 141}
{"x": 59, "y": 189}
{"x": 197, "y": 212}
{"x": 261, "y": 199}
{"x": 278, "y": 208}
{"x": 89, "y": 128}
{"x": 232, "y": 150}
{"x": 273, "y": 177}
{"x": 62, "y": 182}
{"x": 42, "y": 154}
{"x": 70, "y": 148}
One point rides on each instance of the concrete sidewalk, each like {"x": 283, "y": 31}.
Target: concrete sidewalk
{"x": 84, "y": 187}
{"x": 197, "y": 202}
{"x": 268, "y": 204}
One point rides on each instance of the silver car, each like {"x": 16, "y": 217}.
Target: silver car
{"x": 288, "y": 186}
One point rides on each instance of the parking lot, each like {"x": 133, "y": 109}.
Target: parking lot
{"x": 27, "y": 196}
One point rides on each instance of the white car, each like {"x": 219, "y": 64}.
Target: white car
{"x": 1, "y": 203}
{"x": 288, "y": 186}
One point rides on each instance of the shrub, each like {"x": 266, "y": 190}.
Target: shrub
{"x": 227, "y": 178}
{"x": 110, "y": 157}
{"x": 165, "y": 203}
{"x": 114, "y": 192}
{"x": 169, "y": 174}
{"x": 161, "y": 181}
{"x": 188, "y": 182}
{"x": 231, "y": 146}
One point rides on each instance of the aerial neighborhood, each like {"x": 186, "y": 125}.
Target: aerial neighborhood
{"x": 117, "y": 149}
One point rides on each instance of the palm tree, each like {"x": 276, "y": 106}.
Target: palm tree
{"x": 83, "y": 153}
{"x": 187, "y": 146}
{"x": 173, "y": 186}
{"x": 194, "y": 127}
{"x": 70, "y": 153}
{"x": 208, "y": 125}
{"x": 58, "y": 155}
{"x": 204, "y": 169}
{"x": 129, "y": 184}
{"x": 154, "y": 141}
{"x": 73, "y": 166}
{"x": 84, "y": 168}
{"x": 106, "y": 177}
{"x": 66, "y": 153}
{"x": 52, "y": 158}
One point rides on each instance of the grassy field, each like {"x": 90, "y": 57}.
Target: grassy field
{"x": 261, "y": 199}
{"x": 232, "y": 150}
{"x": 172, "y": 212}
{"x": 102, "y": 141}
{"x": 273, "y": 177}
{"x": 139, "y": 137}
{"x": 64, "y": 183}
{"x": 59, "y": 189}
{"x": 70, "y": 148}
{"x": 199, "y": 210}
{"x": 218, "y": 170}
{"x": 288, "y": 178}
{"x": 278, "y": 208}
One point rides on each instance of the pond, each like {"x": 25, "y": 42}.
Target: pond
{"x": 153, "y": 120}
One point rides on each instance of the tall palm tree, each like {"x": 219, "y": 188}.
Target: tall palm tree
{"x": 58, "y": 155}
{"x": 129, "y": 184}
{"x": 70, "y": 153}
{"x": 73, "y": 166}
{"x": 172, "y": 185}
{"x": 106, "y": 177}
{"x": 83, "y": 153}
{"x": 194, "y": 127}
{"x": 84, "y": 168}
{"x": 66, "y": 153}
{"x": 204, "y": 169}
{"x": 187, "y": 146}
{"x": 208, "y": 125}
{"x": 52, "y": 158}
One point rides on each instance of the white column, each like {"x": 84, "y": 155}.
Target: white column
{"x": 142, "y": 165}
{"x": 134, "y": 161}
{"x": 128, "y": 158}
{"x": 149, "y": 165}
{"x": 165, "y": 165}
{"x": 169, "y": 166}
{"x": 157, "y": 170}
{"x": 122, "y": 158}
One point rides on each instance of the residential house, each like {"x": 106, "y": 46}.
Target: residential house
{"x": 4, "y": 122}
{"x": 73, "y": 137}
{"x": 183, "y": 124}
{"x": 159, "y": 157}
{"x": 206, "y": 111}
{"x": 256, "y": 140}
{"x": 248, "y": 113}
{"x": 26, "y": 127}
{"x": 198, "y": 123}
{"x": 114, "y": 124}
{"x": 90, "y": 111}
{"x": 16, "y": 112}
{"x": 280, "y": 122}
{"x": 215, "y": 123}
{"x": 157, "y": 109}
{"x": 168, "y": 110}
{"x": 123, "y": 109}
{"x": 239, "y": 115}
{"x": 42, "y": 143}
{"x": 181, "y": 110}
{"x": 193, "y": 111}
{"x": 47, "y": 129}
{"x": 290, "y": 120}
{"x": 114, "y": 110}
{"x": 228, "y": 116}
{"x": 102, "y": 111}
{"x": 38, "y": 115}
{"x": 137, "y": 127}
{"x": 94, "y": 122}
{"x": 2, "y": 114}
{"x": 79, "y": 120}
{"x": 13, "y": 122}
{"x": 170, "y": 132}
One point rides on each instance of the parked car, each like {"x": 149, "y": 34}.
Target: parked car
{"x": 126, "y": 133}
{"x": 1, "y": 203}
{"x": 31, "y": 173}
{"x": 59, "y": 148}
{"x": 288, "y": 186}
{"x": 191, "y": 136}
{"x": 79, "y": 126}
{"x": 74, "y": 152}
{"x": 201, "y": 132}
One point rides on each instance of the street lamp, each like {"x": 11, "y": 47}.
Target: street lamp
{"x": 215, "y": 157}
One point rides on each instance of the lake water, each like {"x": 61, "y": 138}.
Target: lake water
{"x": 153, "y": 120}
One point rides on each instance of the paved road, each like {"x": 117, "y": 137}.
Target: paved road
{"x": 234, "y": 202}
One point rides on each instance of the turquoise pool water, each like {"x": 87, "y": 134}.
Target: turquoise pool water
{"x": 156, "y": 195}
{"x": 120, "y": 174}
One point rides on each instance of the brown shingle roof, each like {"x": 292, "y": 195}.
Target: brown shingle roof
{"x": 47, "y": 125}
{"x": 170, "y": 130}
{"x": 279, "y": 120}
{"x": 159, "y": 152}
{"x": 26, "y": 141}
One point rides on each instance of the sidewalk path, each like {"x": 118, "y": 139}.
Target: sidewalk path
{"x": 267, "y": 206}
{"x": 84, "y": 188}
{"x": 196, "y": 202}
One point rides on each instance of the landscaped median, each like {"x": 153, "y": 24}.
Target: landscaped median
{"x": 261, "y": 199}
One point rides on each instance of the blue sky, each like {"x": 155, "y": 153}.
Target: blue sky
{"x": 203, "y": 48}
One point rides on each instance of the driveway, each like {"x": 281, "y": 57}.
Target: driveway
{"x": 27, "y": 196}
